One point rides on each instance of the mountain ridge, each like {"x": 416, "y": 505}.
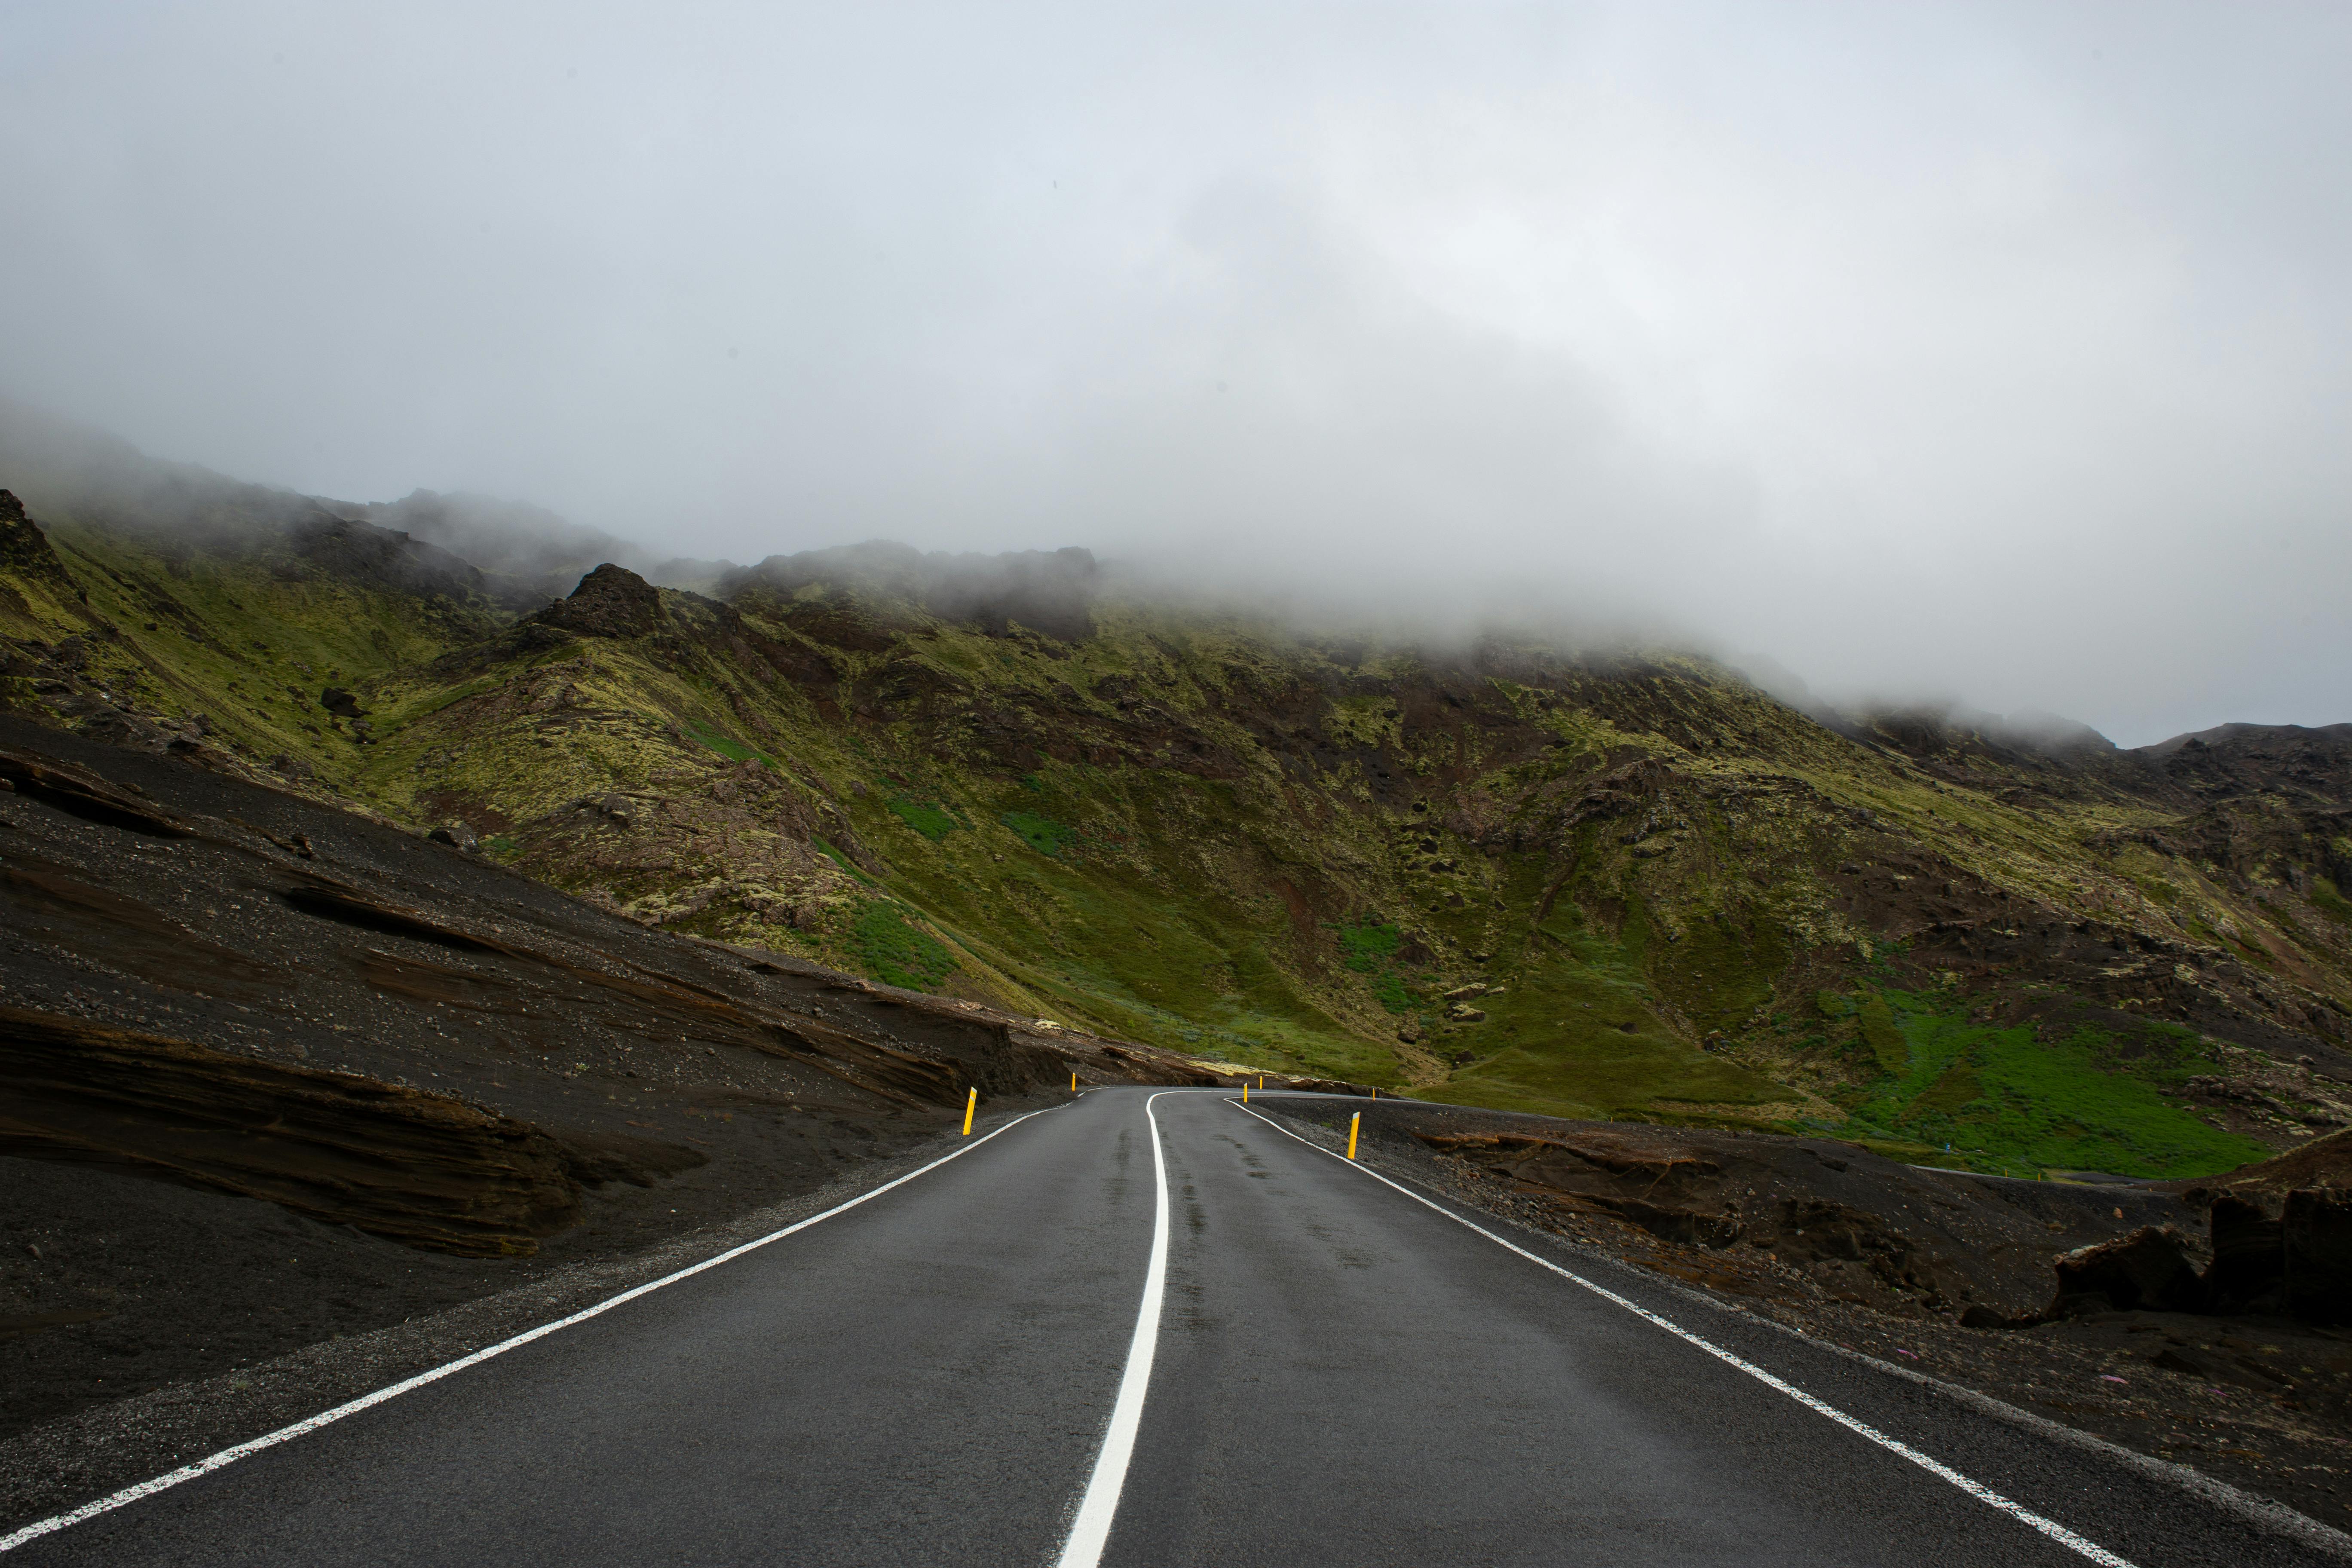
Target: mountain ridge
{"x": 1610, "y": 882}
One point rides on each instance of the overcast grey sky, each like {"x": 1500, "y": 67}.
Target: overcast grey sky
{"x": 1996, "y": 351}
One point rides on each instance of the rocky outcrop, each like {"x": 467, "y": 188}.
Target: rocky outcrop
{"x": 610, "y": 602}
{"x": 2315, "y": 1262}
{"x": 2147, "y": 1270}
{"x": 361, "y": 553}
{"x": 25, "y": 550}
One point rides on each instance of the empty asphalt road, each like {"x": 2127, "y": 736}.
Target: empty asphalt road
{"x": 1340, "y": 1371}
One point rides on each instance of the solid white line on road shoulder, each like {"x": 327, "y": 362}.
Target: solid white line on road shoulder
{"x": 1982, "y": 1493}
{"x": 1090, "y": 1530}
{"x": 287, "y": 1433}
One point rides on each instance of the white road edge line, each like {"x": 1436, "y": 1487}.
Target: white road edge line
{"x": 1977, "y": 1490}
{"x": 1090, "y": 1530}
{"x": 287, "y": 1434}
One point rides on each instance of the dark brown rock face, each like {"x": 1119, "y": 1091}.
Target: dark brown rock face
{"x": 2317, "y": 1232}
{"x": 85, "y": 795}
{"x": 418, "y": 1168}
{"x": 610, "y": 602}
{"x": 2146, "y": 1269}
{"x": 24, "y": 549}
{"x": 2249, "y": 1252}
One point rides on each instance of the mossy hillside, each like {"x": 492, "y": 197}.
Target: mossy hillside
{"x": 2005, "y": 1098}
{"x": 248, "y": 640}
{"x": 1183, "y": 828}
{"x": 932, "y": 821}
{"x": 1574, "y": 1020}
{"x": 898, "y": 951}
{"x": 1131, "y": 917}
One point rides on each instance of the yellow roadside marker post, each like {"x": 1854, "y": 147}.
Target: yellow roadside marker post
{"x": 1244, "y": 1092}
{"x": 1355, "y": 1124}
{"x": 972, "y": 1105}
{"x": 1073, "y": 1083}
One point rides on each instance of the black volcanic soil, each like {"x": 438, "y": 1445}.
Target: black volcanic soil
{"x": 272, "y": 1073}
{"x": 2261, "y": 1402}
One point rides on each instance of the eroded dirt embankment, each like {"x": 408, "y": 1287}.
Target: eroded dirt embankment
{"x": 272, "y": 1072}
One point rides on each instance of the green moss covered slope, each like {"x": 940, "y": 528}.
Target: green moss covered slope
{"x": 1594, "y": 883}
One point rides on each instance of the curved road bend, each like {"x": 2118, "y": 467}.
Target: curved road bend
{"x": 1342, "y": 1374}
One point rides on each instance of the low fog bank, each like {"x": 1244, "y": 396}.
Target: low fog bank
{"x": 536, "y": 555}
{"x": 1431, "y": 594}
{"x": 1990, "y": 348}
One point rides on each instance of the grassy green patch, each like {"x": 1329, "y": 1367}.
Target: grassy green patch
{"x": 2006, "y": 1100}
{"x": 1041, "y": 834}
{"x": 1600, "y": 1074}
{"x": 932, "y": 822}
{"x": 1368, "y": 945}
{"x": 1887, "y": 1042}
{"x": 1719, "y": 973}
{"x": 896, "y": 953}
{"x": 1571, "y": 1029}
{"x": 2331, "y": 903}
{"x": 734, "y": 750}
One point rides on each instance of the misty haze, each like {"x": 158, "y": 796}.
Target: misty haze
{"x": 1539, "y": 784}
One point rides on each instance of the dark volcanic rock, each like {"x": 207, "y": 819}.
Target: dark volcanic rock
{"x": 2317, "y": 1232}
{"x": 382, "y": 558}
{"x": 610, "y": 602}
{"x": 311, "y": 989}
{"x": 24, "y": 549}
{"x": 2146, "y": 1269}
{"x": 2249, "y": 1252}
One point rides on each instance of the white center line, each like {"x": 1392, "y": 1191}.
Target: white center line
{"x": 1982, "y": 1493}
{"x": 1090, "y": 1530}
{"x": 287, "y": 1433}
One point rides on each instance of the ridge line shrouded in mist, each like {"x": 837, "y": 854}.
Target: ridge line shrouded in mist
{"x": 1990, "y": 351}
